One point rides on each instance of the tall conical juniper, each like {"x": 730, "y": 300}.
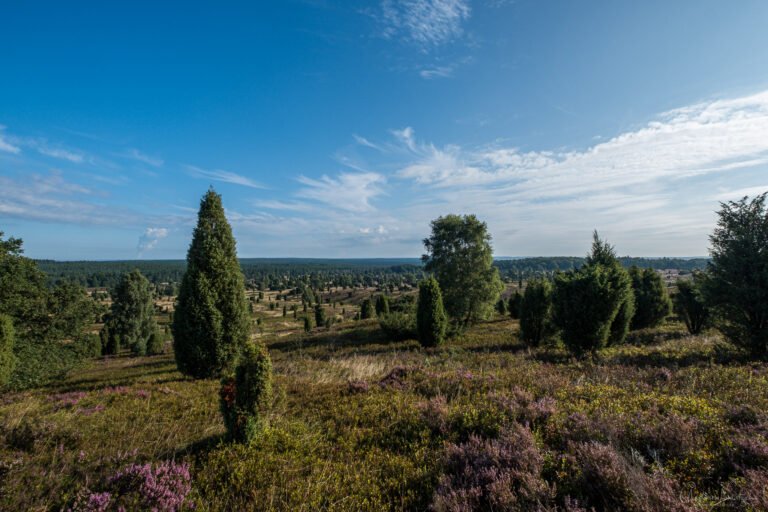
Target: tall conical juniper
{"x": 211, "y": 324}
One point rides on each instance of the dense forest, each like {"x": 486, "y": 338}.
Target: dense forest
{"x": 282, "y": 273}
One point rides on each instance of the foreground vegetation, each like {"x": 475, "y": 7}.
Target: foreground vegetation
{"x": 359, "y": 422}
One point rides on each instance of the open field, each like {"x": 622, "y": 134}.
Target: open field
{"x": 361, "y": 423}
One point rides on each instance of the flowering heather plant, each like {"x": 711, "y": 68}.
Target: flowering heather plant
{"x": 88, "y": 411}
{"x": 493, "y": 474}
{"x": 91, "y": 502}
{"x": 160, "y": 487}
{"x": 67, "y": 400}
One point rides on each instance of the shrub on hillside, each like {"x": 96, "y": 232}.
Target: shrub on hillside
{"x": 246, "y": 395}
{"x": 652, "y": 304}
{"x": 585, "y": 304}
{"x": 399, "y": 326}
{"x": 737, "y": 281}
{"x": 132, "y": 317}
{"x": 690, "y": 304}
{"x": 156, "y": 343}
{"x": 7, "y": 358}
{"x": 319, "y": 316}
{"x": 535, "y": 308}
{"x": 431, "y": 318}
{"x": 367, "y": 310}
{"x": 514, "y": 304}
{"x": 382, "y": 305}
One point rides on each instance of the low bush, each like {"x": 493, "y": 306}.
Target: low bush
{"x": 399, "y": 326}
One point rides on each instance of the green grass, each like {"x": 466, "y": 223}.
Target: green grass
{"x": 665, "y": 405}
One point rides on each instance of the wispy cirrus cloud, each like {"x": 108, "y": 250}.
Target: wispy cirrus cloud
{"x": 223, "y": 176}
{"x": 7, "y": 146}
{"x": 424, "y": 23}
{"x": 139, "y": 156}
{"x": 351, "y": 191}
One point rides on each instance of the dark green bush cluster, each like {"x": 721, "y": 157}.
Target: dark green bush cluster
{"x": 246, "y": 395}
{"x": 399, "y": 326}
{"x": 690, "y": 304}
{"x": 131, "y": 321}
{"x": 367, "y": 309}
{"x": 382, "y": 305}
{"x": 7, "y": 358}
{"x": 652, "y": 303}
{"x": 431, "y": 318}
{"x": 534, "y": 309}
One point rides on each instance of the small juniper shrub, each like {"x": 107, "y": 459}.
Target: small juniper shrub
{"x": 245, "y": 397}
{"x": 156, "y": 344}
{"x": 501, "y": 474}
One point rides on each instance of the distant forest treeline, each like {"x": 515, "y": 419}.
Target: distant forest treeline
{"x": 281, "y": 273}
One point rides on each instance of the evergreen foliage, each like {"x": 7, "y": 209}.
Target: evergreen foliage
{"x": 652, "y": 302}
{"x": 431, "y": 318}
{"x": 211, "y": 325}
{"x": 132, "y": 320}
{"x": 319, "y": 315}
{"x": 382, "y": 305}
{"x": 307, "y": 323}
{"x": 156, "y": 343}
{"x": 535, "y": 309}
{"x": 246, "y": 395}
{"x": 604, "y": 255}
{"x": 501, "y": 306}
{"x": 585, "y": 304}
{"x": 514, "y": 305}
{"x": 7, "y": 357}
{"x": 366, "y": 309}
{"x": 460, "y": 257}
{"x": 737, "y": 283}
{"x": 691, "y": 305}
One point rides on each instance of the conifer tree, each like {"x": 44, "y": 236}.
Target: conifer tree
{"x": 652, "y": 303}
{"x": 319, "y": 315}
{"x": 603, "y": 254}
{"x": 132, "y": 317}
{"x": 7, "y": 358}
{"x": 431, "y": 318}
{"x": 367, "y": 310}
{"x": 246, "y": 394}
{"x": 691, "y": 305}
{"x": 514, "y": 305}
{"x": 211, "y": 325}
{"x": 382, "y": 305}
{"x": 535, "y": 308}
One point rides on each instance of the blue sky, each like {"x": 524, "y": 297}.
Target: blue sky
{"x": 340, "y": 129}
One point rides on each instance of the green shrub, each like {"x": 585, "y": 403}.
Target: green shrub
{"x": 382, "y": 305}
{"x": 514, "y": 305}
{"x": 307, "y": 323}
{"x": 319, "y": 316}
{"x": 652, "y": 303}
{"x": 431, "y": 318}
{"x": 399, "y": 326}
{"x": 367, "y": 310}
{"x": 501, "y": 306}
{"x": 584, "y": 306}
{"x": 690, "y": 305}
{"x": 245, "y": 397}
{"x": 535, "y": 308}
{"x": 156, "y": 344}
{"x": 737, "y": 283}
{"x": 7, "y": 358}
{"x": 132, "y": 319}
{"x": 90, "y": 345}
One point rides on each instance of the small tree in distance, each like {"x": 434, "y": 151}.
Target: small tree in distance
{"x": 652, "y": 303}
{"x": 382, "y": 305}
{"x": 690, "y": 305}
{"x": 367, "y": 310}
{"x": 535, "y": 308}
{"x": 460, "y": 257}
{"x": 431, "y": 318}
{"x": 319, "y": 316}
{"x": 131, "y": 321}
{"x": 245, "y": 397}
{"x": 514, "y": 305}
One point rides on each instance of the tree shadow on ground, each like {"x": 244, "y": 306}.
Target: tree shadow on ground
{"x": 332, "y": 339}
{"x": 197, "y": 449}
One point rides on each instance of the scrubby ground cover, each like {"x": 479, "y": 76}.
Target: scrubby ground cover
{"x": 359, "y": 422}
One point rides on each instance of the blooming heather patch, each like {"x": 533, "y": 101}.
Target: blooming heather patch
{"x": 162, "y": 486}
{"x": 66, "y": 400}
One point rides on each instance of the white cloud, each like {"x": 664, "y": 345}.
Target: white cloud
{"x": 351, "y": 191}
{"x": 365, "y": 142}
{"x": 154, "y": 161}
{"x": 425, "y": 23}
{"x": 62, "y": 154}
{"x": 701, "y": 139}
{"x": 7, "y": 146}
{"x": 224, "y": 176}
{"x": 436, "y": 72}
{"x": 149, "y": 239}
